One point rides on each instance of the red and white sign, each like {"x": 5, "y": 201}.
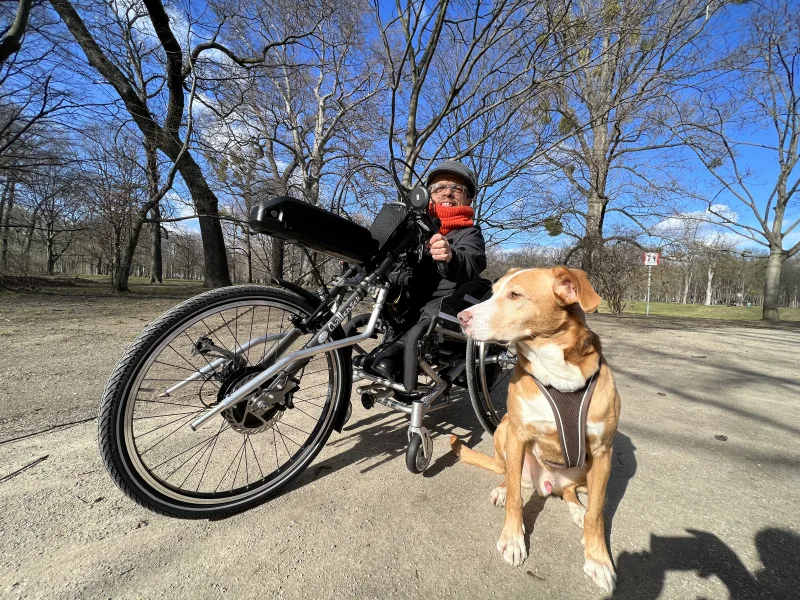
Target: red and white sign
{"x": 651, "y": 259}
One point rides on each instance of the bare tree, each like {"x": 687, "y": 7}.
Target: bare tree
{"x": 619, "y": 268}
{"x": 633, "y": 55}
{"x": 287, "y": 126}
{"x": 143, "y": 98}
{"x": 443, "y": 63}
{"x": 11, "y": 41}
{"x": 59, "y": 210}
{"x": 761, "y": 91}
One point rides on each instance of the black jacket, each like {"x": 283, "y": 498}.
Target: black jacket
{"x": 431, "y": 279}
{"x": 425, "y": 282}
{"x": 468, "y": 262}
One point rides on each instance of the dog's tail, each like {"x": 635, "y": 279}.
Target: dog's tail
{"x": 471, "y": 457}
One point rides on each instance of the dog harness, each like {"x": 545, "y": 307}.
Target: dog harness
{"x": 570, "y": 410}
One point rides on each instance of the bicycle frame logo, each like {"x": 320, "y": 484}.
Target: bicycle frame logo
{"x": 337, "y": 320}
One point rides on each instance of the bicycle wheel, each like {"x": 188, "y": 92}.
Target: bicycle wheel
{"x": 187, "y": 361}
{"x": 489, "y": 369}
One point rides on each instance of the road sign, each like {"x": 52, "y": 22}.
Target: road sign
{"x": 651, "y": 259}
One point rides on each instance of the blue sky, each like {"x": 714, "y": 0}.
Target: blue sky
{"x": 761, "y": 161}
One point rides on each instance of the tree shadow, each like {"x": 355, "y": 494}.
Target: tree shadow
{"x": 642, "y": 574}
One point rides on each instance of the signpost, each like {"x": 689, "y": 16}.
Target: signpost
{"x": 651, "y": 259}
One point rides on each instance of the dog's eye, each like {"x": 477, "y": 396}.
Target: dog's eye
{"x": 514, "y": 295}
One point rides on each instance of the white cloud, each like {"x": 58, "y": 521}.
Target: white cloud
{"x": 703, "y": 226}
{"x": 698, "y": 223}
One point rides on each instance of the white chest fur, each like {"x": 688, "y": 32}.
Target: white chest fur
{"x": 537, "y": 411}
{"x": 549, "y": 367}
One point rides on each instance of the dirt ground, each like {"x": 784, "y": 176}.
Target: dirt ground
{"x": 702, "y": 501}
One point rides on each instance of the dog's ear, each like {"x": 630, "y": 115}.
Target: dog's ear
{"x": 572, "y": 285}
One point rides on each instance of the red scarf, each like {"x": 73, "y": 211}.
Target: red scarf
{"x": 452, "y": 217}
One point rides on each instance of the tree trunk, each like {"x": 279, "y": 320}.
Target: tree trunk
{"x": 772, "y": 281}
{"x": 51, "y": 259}
{"x": 207, "y": 207}
{"x": 592, "y": 242}
{"x": 709, "y": 287}
{"x": 166, "y": 138}
{"x": 122, "y": 274}
{"x": 277, "y": 258}
{"x": 6, "y": 215}
{"x": 117, "y": 247}
{"x": 156, "y": 258}
{"x": 687, "y": 283}
{"x": 6, "y": 186}
{"x": 156, "y": 261}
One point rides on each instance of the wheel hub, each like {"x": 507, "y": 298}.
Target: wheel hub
{"x": 250, "y": 415}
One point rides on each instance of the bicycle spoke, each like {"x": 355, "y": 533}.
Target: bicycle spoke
{"x": 283, "y": 435}
{"x": 194, "y": 412}
{"x": 305, "y": 413}
{"x": 213, "y": 447}
{"x": 308, "y": 401}
{"x": 295, "y": 428}
{"x": 185, "y": 422}
{"x": 233, "y": 458}
{"x": 205, "y": 443}
{"x": 255, "y": 456}
{"x": 250, "y": 335}
{"x": 239, "y": 464}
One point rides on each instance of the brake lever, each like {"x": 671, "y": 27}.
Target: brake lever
{"x": 431, "y": 225}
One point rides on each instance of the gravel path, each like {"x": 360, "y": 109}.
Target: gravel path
{"x": 702, "y": 501}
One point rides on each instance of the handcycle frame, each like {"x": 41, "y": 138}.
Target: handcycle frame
{"x": 266, "y": 387}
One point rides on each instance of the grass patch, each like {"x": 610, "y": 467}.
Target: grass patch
{"x": 98, "y": 285}
{"x": 701, "y": 311}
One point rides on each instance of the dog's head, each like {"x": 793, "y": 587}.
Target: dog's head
{"x": 528, "y": 303}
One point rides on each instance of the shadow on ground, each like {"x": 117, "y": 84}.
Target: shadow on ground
{"x": 641, "y": 575}
{"x": 382, "y": 437}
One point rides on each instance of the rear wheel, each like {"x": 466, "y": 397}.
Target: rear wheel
{"x": 488, "y": 372}
{"x": 189, "y": 360}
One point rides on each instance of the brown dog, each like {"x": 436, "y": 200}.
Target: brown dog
{"x": 541, "y": 312}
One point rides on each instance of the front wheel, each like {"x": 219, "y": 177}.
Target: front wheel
{"x": 416, "y": 459}
{"x": 184, "y": 363}
{"x": 488, "y": 372}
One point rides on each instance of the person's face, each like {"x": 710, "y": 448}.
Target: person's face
{"x": 443, "y": 194}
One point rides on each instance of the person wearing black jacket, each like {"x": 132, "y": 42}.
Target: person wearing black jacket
{"x": 456, "y": 255}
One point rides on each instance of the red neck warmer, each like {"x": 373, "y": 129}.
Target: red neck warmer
{"x": 452, "y": 217}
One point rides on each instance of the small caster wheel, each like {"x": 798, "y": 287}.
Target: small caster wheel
{"x": 416, "y": 461}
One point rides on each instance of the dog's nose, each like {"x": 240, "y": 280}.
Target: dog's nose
{"x": 464, "y": 317}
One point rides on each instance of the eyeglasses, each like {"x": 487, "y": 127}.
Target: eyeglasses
{"x": 438, "y": 189}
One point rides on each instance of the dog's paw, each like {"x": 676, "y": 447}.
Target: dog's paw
{"x": 498, "y": 496}
{"x": 512, "y": 549}
{"x": 603, "y": 575}
{"x": 577, "y": 513}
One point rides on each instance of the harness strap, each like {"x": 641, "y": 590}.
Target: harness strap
{"x": 567, "y": 412}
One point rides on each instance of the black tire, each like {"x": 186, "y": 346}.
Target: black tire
{"x": 492, "y": 378}
{"x": 415, "y": 455}
{"x": 163, "y": 348}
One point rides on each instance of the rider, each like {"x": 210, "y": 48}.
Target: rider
{"x": 457, "y": 255}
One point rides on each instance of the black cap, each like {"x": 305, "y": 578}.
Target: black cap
{"x": 455, "y": 168}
